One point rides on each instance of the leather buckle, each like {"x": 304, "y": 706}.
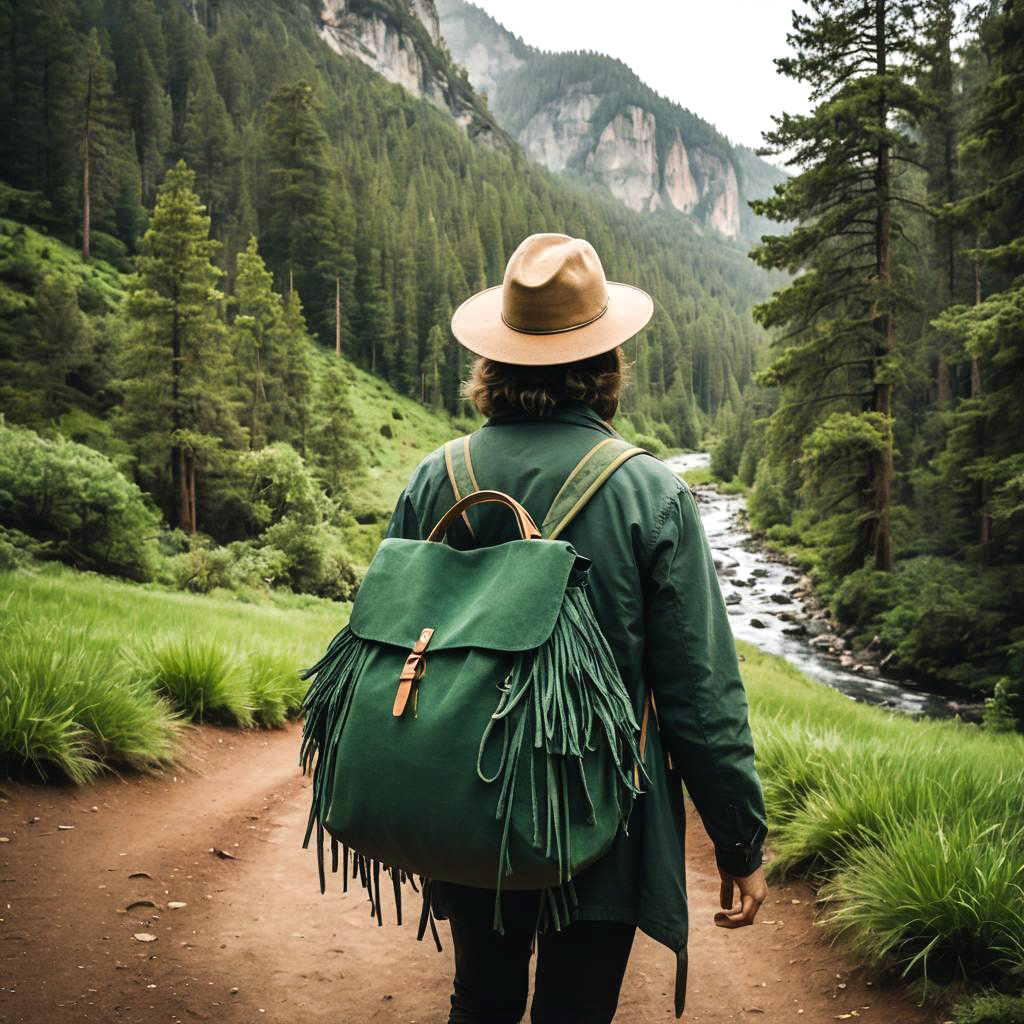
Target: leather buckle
{"x": 412, "y": 672}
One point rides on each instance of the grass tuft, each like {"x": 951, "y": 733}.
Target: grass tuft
{"x": 200, "y": 678}
{"x": 274, "y": 687}
{"x": 69, "y": 708}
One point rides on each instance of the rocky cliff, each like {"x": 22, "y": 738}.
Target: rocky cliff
{"x": 590, "y": 115}
{"x": 402, "y": 41}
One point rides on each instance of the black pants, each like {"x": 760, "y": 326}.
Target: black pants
{"x": 579, "y": 969}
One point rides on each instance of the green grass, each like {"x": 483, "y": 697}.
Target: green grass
{"x": 96, "y": 673}
{"x": 388, "y": 461}
{"x": 74, "y": 707}
{"x": 913, "y": 829}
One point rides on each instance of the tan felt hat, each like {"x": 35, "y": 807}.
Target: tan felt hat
{"x": 554, "y": 306}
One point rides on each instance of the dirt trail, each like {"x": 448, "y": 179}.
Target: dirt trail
{"x": 257, "y": 942}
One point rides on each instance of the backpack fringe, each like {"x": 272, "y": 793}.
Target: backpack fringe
{"x": 559, "y": 699}
{"x": 325, "y": 707}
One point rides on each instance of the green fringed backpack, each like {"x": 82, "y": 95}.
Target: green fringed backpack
{"x": 469, "y": 724}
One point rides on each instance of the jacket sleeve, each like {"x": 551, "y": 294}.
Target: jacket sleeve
{"x": 691, "y": 663}
{"x": 404, "y": 521}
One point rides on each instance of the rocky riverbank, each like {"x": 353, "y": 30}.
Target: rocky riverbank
{"x": 773, "y": 606}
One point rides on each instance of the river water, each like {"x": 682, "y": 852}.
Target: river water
{"x": 758, "y": 593}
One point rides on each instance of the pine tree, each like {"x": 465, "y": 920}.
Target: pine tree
{"x": 296, "y": 203}
{"x": 176, "y": 390}
{"x": 837, "y": 320}
{"x": 433, "y": 370}
{"x": 60, "y": 338}
{"x": 296, "y": 350}
{"x": 334, "y": 437}
{"x": 209, "y": 146}
{"x": 97, "y": 130}
{"x": 37, "y": 54}
{"x": 984, "y": 442}
{"x": 259, "y": 319}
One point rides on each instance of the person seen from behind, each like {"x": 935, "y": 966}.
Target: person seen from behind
{"x": 548, "y": 378}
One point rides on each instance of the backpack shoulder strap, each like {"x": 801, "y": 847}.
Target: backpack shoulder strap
{"x": 460, "y": 472}
{"x": 580, "y": 486}
{"x": 584, "y": 482}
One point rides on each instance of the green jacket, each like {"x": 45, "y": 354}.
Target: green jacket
{"x": 656, "y": 596}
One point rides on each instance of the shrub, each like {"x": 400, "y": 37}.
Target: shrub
{"x": 769, "y": 503}
{"x": 108, "y": 247}
{"x": 863, "y": 596}
{"x": 1004, "y": 710}
{"x": 198, "y": 677}
{"x": 990, "y": 1008}
{"x": 651, "y": 443}
{"x": 76, "y": 502}
{"x": 316, "y": 559}
{"x": 16, "y": 549}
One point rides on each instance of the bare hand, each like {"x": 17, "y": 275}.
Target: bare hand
{"x": 753, "y": 892}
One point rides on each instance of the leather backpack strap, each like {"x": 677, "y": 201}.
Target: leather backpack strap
{"x": 584, "y": 482}
{"x": 460, "y": 473}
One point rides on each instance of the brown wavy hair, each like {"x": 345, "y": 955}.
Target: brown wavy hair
{"x": 495, "y": 387}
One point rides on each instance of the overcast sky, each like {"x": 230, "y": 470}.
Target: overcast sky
{"x": 712, "y": 56}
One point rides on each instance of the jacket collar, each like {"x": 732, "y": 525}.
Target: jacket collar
{"x": 572, "y": 410}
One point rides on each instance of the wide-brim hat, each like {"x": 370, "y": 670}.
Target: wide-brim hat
{"x": 554, "y": 306}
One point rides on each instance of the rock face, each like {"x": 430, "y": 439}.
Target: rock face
{"x": 555, "y": 133}
{"x": 650, "y": 153}
{"x": 409, "y": 51}
{"x": 487, "y": 60}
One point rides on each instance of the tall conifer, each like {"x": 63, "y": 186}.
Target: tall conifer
{"x": 836, "y": 323}
{"x": 177, "y": 407}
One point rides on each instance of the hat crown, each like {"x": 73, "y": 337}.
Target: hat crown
{"x": 553, "y": 283}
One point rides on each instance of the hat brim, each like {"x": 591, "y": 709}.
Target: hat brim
{"x": 477, "y": 324}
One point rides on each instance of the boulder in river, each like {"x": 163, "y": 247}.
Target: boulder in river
{"x": 789, "y": 579}
{"x": 780, "y": 598}
{"x": 817, "y": 627}
{"x": 798, "y": 630}
{"x": 758, "y": 624}
{"x": 733, "y": 598}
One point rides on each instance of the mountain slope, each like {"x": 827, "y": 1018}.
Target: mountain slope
{"x": 401, "y": 40}
{"x": 397, "y": 200}
{"x": 589, "y": 114}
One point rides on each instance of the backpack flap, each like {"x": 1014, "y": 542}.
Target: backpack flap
{"x": 501, "y": 598}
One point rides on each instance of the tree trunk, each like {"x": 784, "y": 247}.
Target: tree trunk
{"x": 87, "y": 172}
{"x": 179, "y": 468}
{"x": 337, "y": 316}
{"x": 944, "y": 393}
{"x": 192, "y": 491}
{"x": 981, "y": 490}
{"x": 882, "y": 398}
{"x": 180, "y": 473}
